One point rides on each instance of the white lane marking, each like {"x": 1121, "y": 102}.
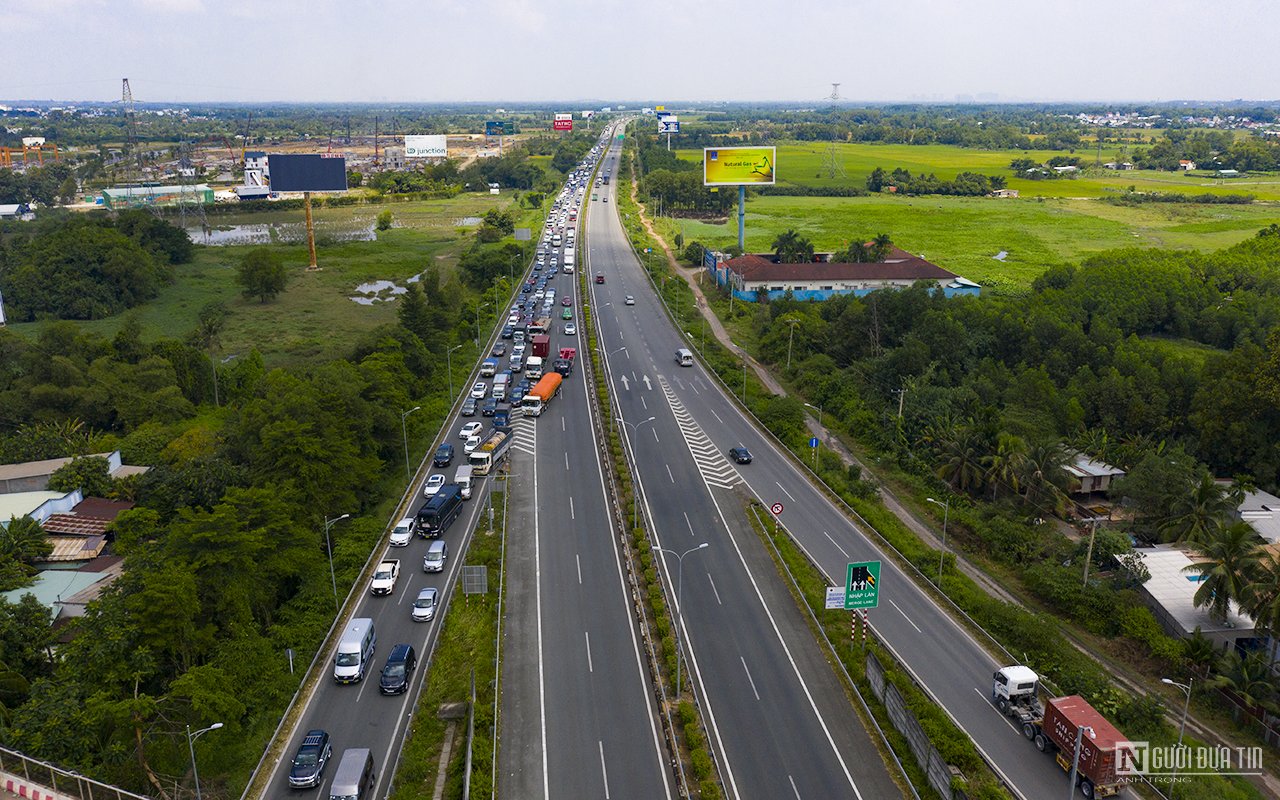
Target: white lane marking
{"x": 655, "y": 434}
{"x": 590, "y": 668}
{"x": 784, "y": 491}
{"x": 987, "y": 697}
{"x": 714, "y": 591}
{"x": 364, "y": 684}
{"x": 793, "y": 787}
{"x": 562, "y": 424}
{"x": 669, "y": 475}
{"x": 694, "y": 388}
{"x": 690, "y": 524}
{"x": 578, "y": 561}
{"x": 749, "y": 680}
{"x": 603, "y": 771}
{"x": 643, "y": 403}
{"x": 837, "y": 544}
{"x": 407, "y": 584}
{"x": 904, "y": 616}
{"x": 571, "y": 514}
{"x": 714, "y": 414}
{"x": 542, "y": 684}
{"x": 566, "y": 461}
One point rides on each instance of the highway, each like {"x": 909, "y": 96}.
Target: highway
{"x": 578, "y": 716}
{"x": 780, "y": 720}
{"x": 690, "y": 405}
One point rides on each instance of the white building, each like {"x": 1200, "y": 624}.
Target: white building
{"x": 1171, "y": 595}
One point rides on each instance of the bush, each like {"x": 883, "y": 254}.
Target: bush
{"x": 384, "y": 220}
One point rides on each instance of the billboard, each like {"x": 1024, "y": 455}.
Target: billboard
{"x": 732, "y": 166}
{"x": 668, "y": 124}
{"x": 426, "y": 146}
{"x": 588, "y": 114}
{"x": 659, "y": 109}
{"x": 499, "y": 128}
{"x": 563, "y": 122}
{"x": 309, "y": 172}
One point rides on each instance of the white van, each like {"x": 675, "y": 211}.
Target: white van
{"x": 684, "y": 357}
{"x": 355, "y": 651}
{"x": 462, "y": 477}
{"x": 355, "y": 775}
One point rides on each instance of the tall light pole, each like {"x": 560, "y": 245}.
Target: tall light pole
{"x": 191, "y": 745}
{"x": 448, "y": 360}
{"x": 635, "y": 490}
{"x": 480, "y": 308}
{"x": 946, "y": 512}
{"x": 1182, "y": 727}
{"x": 514, "y": 259}
{"x": 790, "y": 336}
{"x": 333, "y": 578}
{"x": 679, "y": 596}
{"x": 404, "y": 433}
{"x": 1075, "y": 760}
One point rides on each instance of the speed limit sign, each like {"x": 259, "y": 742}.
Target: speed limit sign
{"x": 776, "y": 508}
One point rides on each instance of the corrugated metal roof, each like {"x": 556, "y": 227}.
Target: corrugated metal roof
{"x": 900, "y": 265}
{"x": 76, "y": 548}
{"x": 1175, "y": 590}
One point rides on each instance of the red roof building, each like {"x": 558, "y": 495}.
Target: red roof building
{"x": 821, "y": 278}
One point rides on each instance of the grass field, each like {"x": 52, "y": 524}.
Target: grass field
{"x": 314, "y": 319}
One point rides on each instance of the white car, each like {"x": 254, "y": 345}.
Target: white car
{"x": 433, "y": 485}
{"x": 518, "y": 351}
{"x": 470, "y": 429}
{"x": 471, "y": 444}
{"x": 631, "y": 301}
{"x": 570, "y": 329}
{"x": 424, "y": 608}
{"x": 479, "y": 390}
{"x": 402, "y": 533}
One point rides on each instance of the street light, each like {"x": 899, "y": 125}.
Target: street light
{"x": 1182, "y": 727}
{"x": 791, "y": 335}
{"x": 404, "y": 433}
{"x": 191, "y": 745}
{"x": 635, "y": 493}
{"x": 946, "y": 512}
{"x": 329, "y": 546}
{"x": 448, "y": 360}
{"x": 1075, "y": 761}
{"x": 679, "y": 605}
{"x": 480, "y": 308}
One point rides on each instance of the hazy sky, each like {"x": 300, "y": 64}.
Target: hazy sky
{"x": 638, "y": 50}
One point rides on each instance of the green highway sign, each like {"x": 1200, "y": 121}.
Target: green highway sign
{"x": 862, "y": 585}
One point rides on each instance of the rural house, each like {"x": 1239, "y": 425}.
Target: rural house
{"x": 822, "y": 278}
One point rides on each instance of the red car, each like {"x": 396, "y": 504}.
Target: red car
{"x": 599, "y": 277}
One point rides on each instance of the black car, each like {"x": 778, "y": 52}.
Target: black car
{"x": 398, "y": 670}
{"x": 444, "y": 456}
{"x": 525, "y": 385}
{"x": 489, "y": 406}
{"x": 740, "y": 454}
{"x": 507, "y": 331}
{"x": 308, "y": 763}
{"x": 499, "y": 349}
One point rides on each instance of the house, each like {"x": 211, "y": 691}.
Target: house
{"x": 1125, "y": 165}
{"x": 1186, "y": 165}
{"x": 14, "y": 210}
{"x": 66, "y": 592}
{"x": 1066, "y": 169}
{"x": 80, "y": 534}
{"x": 39, "y": 505}
{"x": 1228, "y": 173}
{"x": 33, "y": 476}
{"x": 820, "y": 279}
{"x": 1170, "y": 593}
{"x": 1262, "y": 511}
{"x": 1089, "y": 476}
{"x": 393, "y": 158}
{"x": 1005, "y": 193}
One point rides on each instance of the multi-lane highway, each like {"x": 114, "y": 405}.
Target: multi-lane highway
{"x": 694, "y": 418}
{"x": 578, "y": 717}
{"x": 780, "y": 720}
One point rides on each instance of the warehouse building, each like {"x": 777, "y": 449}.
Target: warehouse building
{"x": 755, "y": 273}
{"x": 142, "y": 196}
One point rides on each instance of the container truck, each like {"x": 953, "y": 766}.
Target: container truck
{"x": 540, "y": 395}
{"x": 542, "y": 344}
{"x": 1053, "y": 726}
{"x": 486, "y": 458}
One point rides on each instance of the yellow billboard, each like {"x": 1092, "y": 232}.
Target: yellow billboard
{"x": 732, "y": 166}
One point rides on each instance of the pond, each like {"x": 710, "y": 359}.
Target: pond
{"x": 380, "y": 291}
{"x": 292, "y": 232}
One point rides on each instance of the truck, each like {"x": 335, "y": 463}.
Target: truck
{"x": 542, "y": 343}
{"x": 488, "y": 367}
{"x": 486, "y": 458}
{"x": 500, "y": 383}
{"x": 533, "y": 367}
{"x": 384, "y": 577}
{"x": 502, "y": 415}
{"x": 540, "y": 325}
{"x": 535, "y": 402}
{"x": 1054, "y": 725}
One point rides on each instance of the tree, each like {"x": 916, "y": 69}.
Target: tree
{"x": 1248, "y": 678}
{"x": 262, "y": 274}
{"x": 963, "y": 451}
{"x": 1044, "y": 477}
{"x": 1228, "y": 562}
{"x": 24, "y": 542}
{"x": 90, "y": 474}
{"x": 67, "y": 191}
{"x": 384, "y": 219}
{"x": 1194, "y": 516}
{"x": 792, "y": 248}
{"x": 880, "y": 248}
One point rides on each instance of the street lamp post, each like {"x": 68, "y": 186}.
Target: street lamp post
{"x": 480, "y": 308}
{"x": 333, "y": 578}
{"x": 635, "y": 493}
{"x": 790, "y": 336}
{"x": 191, "y": 745}
{"x": 1182, "y": 727}
{"x": 946, "y": 512}
{"x": 404, "y": 434}
{"x": 679, "y": 597}
{"x": 1075, "y": 760}
{"x": 448, "y": 360}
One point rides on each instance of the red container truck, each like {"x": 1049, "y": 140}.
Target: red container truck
{"x": 542, "y": 345}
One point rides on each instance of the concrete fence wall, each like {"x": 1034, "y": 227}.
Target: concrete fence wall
{"x": 927, "y": 756}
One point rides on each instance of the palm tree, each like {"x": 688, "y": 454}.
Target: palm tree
{"x": 1193, "y": 516}
{"x": 24, "y": 541}
{"x": 1004, "y": 466}
{"x": 880, "y": 248}
{"x": 858, "y": 253}
{"x": 792, "y": 248}
{"x": 1262, "y": 596}
{"x": 1200, "y": 652}
{"x": 963, "y": 453}
{"x": 1230, "y": 558}
{"x": 1044, "y": 477}
{"x": 1248, "y": 678}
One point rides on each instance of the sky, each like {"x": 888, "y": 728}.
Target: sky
{"x": 641, "y": 51}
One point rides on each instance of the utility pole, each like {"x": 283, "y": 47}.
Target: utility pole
{"x": 1093, "y": 532}
{"x": 902, "y": 395}
{"x": 790, "y": 336}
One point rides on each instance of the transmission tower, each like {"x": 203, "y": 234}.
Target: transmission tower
{"x": 132, "y": 153}
{"x": 835, "y": 93}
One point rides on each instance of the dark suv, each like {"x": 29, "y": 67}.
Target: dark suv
{"x": 399, "y": 669}
{"x": 740, "y": 454}
{"x": 444, "y": 456}
{"x": 309, "y": 762}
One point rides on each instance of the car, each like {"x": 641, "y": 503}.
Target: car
{"x": 433, "y": 485}
{"x": 525, "y": 385}
{"x": 566, "y": 301}
{"x": 402, "y": 533}
{"x": 631, "y": 301}
{"x": 499, "y": 350}
{"x": 604, "y": 199}
{"x": 566, "y": 314}
{"x": 424, "y": 607}
{"x": 444, "y": 455}
{"x": 740, "y": 454}
{"x": 518, "y": 351}
{"x": 517, "y": 394}
{"x": 599, "y": 277}
{"x": 479, "y": 390}
{"x": 309, "y": 762}
{"x": 469, "y": 407}
{"x": 470, "y": 429}
{"x": 398, "y": 670}
{"x": 488, "y": 407}
{"x": 507, "y": 331}
{"x": 471, "y": 444}
{"x": 517, "y": 363}
{"x": 570, "y": 329}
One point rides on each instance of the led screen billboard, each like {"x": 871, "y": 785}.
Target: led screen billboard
{"x": 499, "y": 128}
{"x": 733, "y": 166}
{"x": 307, "y": 172}
{"x": 668, "y": 124}
{"x": 426, "y": 147}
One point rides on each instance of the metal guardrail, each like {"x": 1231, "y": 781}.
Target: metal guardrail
{"x": 61, "y": 781}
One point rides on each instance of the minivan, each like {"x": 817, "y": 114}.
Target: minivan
{"x": 355, "y": 775}
{"x": 684, "y": 357}
{"x": 398, "y": 670}
{"x": 434, "y": 560}
{"x": 355, "y": 649}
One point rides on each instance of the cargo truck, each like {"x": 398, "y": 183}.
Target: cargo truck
{"x": 488, "y": 367}
{"x": 542, "y": 344}
{"x": 1054, "y": 725}
{"x": 486, "y": 458}
{"x": 540, "y": 395}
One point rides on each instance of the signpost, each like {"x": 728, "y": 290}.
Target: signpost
{"x": 739, "y": 166}
{"x": 835, "y": 597}
{"x": 862, "y": 585}
{"x": 563, "y": 122}
{"x": 307, "y": 173}
{"x": 776, "y": 508}
{"x": 813, "y": 445}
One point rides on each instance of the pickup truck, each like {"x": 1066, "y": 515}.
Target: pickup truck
{"x": 384, "y": 577}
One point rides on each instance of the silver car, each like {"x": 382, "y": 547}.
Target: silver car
{"x": 424, "y": 607}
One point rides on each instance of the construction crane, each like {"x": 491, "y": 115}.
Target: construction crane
{"x": 248, "y": 125}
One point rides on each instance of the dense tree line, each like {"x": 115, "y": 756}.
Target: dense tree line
{"x": 55, "y": 183}
{"x": 965, "y": 184}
